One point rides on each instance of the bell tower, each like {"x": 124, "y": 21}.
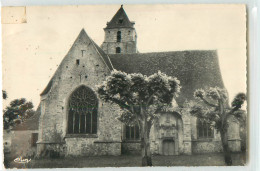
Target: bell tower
{"x": 120, "y": 35}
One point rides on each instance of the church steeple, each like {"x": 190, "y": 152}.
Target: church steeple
{"x": 120, "y": 20}
{"x": 120, "y": 34}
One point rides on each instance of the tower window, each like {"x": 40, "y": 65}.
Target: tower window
{"x": 120, "y": 21}
{"x": 118, "y": 37}
{"x": 118, "y": 50}
{"x": 77, "y": 61}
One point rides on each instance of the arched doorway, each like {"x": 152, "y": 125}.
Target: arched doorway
{"x": 82, "y": 111}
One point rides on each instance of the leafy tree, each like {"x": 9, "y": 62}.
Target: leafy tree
{"x": 212, "y": 107}
{"x": 141, "y": 99}
{"x": 17, "y": 111}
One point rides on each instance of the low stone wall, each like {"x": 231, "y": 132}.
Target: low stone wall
{"x": 206, "y": 146}
{"x": 21, "y": 145}
{"x": 91, "y": 147}
{"x": 131, "y": 147}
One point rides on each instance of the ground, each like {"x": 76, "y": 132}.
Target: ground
{"x": 215, "y": 159}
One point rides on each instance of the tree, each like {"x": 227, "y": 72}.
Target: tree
{"x": 141, "y": 99}
{"x": 17, "y": 111}
{"x": 212, "y": 107}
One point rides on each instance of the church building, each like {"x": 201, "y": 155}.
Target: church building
{"x": 67, "y": 130}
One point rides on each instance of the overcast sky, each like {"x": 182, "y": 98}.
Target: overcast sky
{"x": 32, "y": 51}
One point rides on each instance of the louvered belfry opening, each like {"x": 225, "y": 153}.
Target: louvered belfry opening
{"x": 118, "y": 36}
{"x": 82, "y": 111}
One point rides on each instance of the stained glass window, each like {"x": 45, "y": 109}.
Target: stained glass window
{"x": 83, "y": 107}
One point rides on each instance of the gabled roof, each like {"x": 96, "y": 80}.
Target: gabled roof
{"x": 82, "y": 36}
{"x": 120, "y": 20}
{"x": 30, "y": 124}
{"x": 195, "y": 69}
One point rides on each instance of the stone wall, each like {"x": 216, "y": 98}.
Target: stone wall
{"x": 21, "y": 145}
{"x": 92, "y": 147}
{"x": 127, "y": 44}
{"x": 206, "y": 146}
{"x": 214, "y": 144}
{"x": 131, "y": 147}
{"x": 91, "y": 71}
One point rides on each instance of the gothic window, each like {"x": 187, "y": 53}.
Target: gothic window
{"x": 82, "y": 108}
{"x": 132, "y": 132}
{"x": 118, "y": 50}
{"x": 118, "y": 36}
{"x": 204, "y": 130}
{"x": 77, "y": 61}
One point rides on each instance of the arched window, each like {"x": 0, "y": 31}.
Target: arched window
{"x": 204, "y": 130}
{"x": 82, "y": 108}
{"x": 132, "y": 132}
{"x": 118, "y": 37}
{"x": 118, "y": 50}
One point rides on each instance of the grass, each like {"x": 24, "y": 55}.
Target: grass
{"x": 213, "y": 159}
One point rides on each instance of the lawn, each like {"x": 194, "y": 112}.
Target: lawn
{"x": 215, "y": 159}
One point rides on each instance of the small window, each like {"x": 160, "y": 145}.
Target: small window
{"x": 204, "y": 130}
{"x": 132, "y": 132}
{"x": 77, "y": 61}
{"x": 118, "y": 38}
{"x": 120, "y": 21}
{"x": 129, "y": 32}
{"x": 83, "y": 52}
{"x": 34, "y": 139}
{"x": 118, "y": 50}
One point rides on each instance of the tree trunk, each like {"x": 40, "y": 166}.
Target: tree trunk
{"x": 145, "y": 144}
{"x": 227, "y": 153}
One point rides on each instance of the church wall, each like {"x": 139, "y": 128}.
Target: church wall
{"x": 127, "y": 34}
{"x": 204, "y": 145}
{"x": 214, "y": 144}
{"x": 90, "y": 72}
{"x": 169, "y": 128}
{"x": 127, "y": 44}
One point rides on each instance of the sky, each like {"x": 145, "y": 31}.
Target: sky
{"x": 32, "y": 51}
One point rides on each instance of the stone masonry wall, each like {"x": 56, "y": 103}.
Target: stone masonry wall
{"x": 127, "y": 44}
{"x": 21, "y": 145}
{"x": 90, "y": 71}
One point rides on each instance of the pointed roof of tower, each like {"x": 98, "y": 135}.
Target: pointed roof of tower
{"x": 120, "y": 20}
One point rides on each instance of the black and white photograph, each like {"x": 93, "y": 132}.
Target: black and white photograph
{"x": 124, "y": 85}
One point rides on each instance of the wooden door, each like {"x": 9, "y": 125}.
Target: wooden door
{"x": 168, "y": 147}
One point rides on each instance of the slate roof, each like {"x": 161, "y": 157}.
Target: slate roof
{"x": 30, "y": 124}
{"x": 195, "y": 69}
{"x": 120, "y": 20}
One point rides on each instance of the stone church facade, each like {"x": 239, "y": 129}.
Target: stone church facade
{"x": 75, "y": 122}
